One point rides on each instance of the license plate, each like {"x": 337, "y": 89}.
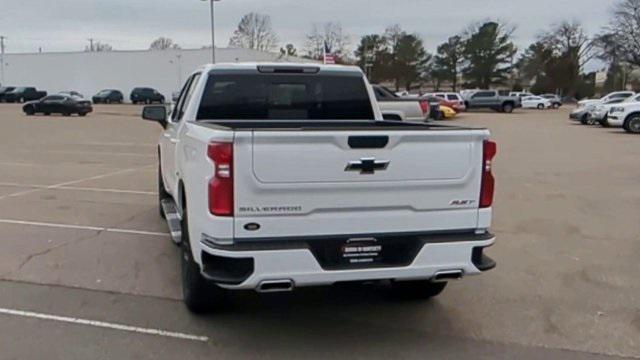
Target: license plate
{"x": 361, "y": 252}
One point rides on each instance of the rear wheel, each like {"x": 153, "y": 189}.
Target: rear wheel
{"x": 199, "y": 295}
{"x": 421, "y": 289}
{"x": 584, "y": 119}
{"x": 540, "y": 106}
{"x": 556, "y": 106}
{"x": 82, "y": 114}
{"x": 632, "y": 124}
{"x": 66, "y": 114}
{"x": 30, "y": 110}
{"x": 507, "y": 108}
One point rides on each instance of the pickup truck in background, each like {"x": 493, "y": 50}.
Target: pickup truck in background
{"x": 23, "y": 94}
{"x": 394, "y": 107}
{"x": 491, "y": 99}
{"x": 277, "y": 176}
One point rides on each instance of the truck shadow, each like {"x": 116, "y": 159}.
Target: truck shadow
{"x": 331, "y": 320}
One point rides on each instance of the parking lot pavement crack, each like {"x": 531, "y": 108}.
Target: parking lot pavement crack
{"x": 38, "y": 254}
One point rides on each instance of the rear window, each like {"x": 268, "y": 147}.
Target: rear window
{"x": 285, "y": 97}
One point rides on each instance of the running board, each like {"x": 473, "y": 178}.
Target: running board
{"x": 173, "y": 219}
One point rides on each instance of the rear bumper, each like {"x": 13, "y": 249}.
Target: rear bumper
{"x": 298, "y": 262}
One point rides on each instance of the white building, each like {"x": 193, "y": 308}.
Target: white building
{"x": 90, "y": 72}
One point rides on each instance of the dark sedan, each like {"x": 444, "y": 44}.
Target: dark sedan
{"x": 58, "y": 104}
{"x": 108, "y": 96}
{"x": 4, "y": 90}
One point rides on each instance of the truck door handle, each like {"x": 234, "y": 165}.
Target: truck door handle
{"x": 368, "y": 142}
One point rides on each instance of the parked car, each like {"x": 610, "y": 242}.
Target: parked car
{"x": 71, "y": 93}
{"x": 268, "y": 194}
{"x": 453, "y": 100}
{"x": 4, "y": 90}
{"x": 434, "y": 106}
{"x": 625, "y": 115}
{"x": 58, "y": 104}
{"x": 520, "y": 94}
{"x": 491, "y": 99}
{"x": 535, "y": 102}
{"x": 22, "y": 94}
{"x": 394, "y": 107}
{"x": 611, "y": 96}
{"x": 108, "y": 96}
{"x": 447, "y": 112}
{"x": 146, "y": 95}
{"x": 582, "y": 114}
{"x": 600, "y": 113}
{"x": 556, "y": 101}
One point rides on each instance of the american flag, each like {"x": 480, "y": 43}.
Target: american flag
{"x": 329, "y": 58}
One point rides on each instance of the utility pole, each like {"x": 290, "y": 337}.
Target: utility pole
{"x": 2, "y": 39}
{"x": 213, "y": 32}
{"x": 90, "y": 40}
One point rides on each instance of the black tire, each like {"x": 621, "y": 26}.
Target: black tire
{"x": 30, "y": 110}
{"x": 47, "y": 113}
{"x": 540, "y": 107}
{"x": 556, "y": 106}
{"x": 66, "y": 114}
{"x": 632, "y": 124}
{"x": 507, "y": 108}
{"x": 83, "y": 114}
{"x": 584, "y": 119}
{"x": 420, "y": 290}
{"x": 199, "y": 295}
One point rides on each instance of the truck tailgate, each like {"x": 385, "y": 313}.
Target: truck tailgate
{"x": 356, "y": 182}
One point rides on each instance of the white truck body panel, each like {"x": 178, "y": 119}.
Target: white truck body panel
{"x": 294, "y": 184}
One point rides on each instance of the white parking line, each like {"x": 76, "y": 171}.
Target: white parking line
{"x": 25, "y": 192}
{"x": 76, "y": 188}
{"x": 82, "y": 227}
{"x": 106, "y": 325}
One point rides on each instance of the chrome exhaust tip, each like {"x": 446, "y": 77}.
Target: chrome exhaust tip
{"x": 270, "y": 286}
{"x": 447, "y": 275}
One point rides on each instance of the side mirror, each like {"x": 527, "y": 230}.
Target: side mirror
{"x": 157, "y": 113}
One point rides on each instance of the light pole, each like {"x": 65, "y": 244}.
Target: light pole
{"x": 213, "y": 32}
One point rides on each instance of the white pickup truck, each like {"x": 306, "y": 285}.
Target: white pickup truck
{"x": 275, "y": 176}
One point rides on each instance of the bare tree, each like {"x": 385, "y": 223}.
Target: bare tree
{"x": 570, "y": 39}
{"x": 254, "y": 32}
{"x": 331, "y": 34}
{"x": 163, "y": 43}
{"x": 97, "y": 46}
{"x": 624, "y": 29}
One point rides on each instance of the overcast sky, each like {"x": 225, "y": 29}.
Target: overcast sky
{"x": 64, "y": 25}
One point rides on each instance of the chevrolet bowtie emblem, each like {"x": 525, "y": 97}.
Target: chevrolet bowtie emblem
{"x": 367, "y": 165}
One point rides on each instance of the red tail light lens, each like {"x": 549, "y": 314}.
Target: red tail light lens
{"x": 221, "y": 185}
{"x": 424, "y": 105}
{"x": 488, "y": 181}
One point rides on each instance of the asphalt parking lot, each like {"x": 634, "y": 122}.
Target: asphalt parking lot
{"x": 87, "y": 268}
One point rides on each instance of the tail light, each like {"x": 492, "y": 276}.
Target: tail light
{"x": 488, "y": 182}
{"x": 221, "y": 185}
{"x": 424, "y": 105}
